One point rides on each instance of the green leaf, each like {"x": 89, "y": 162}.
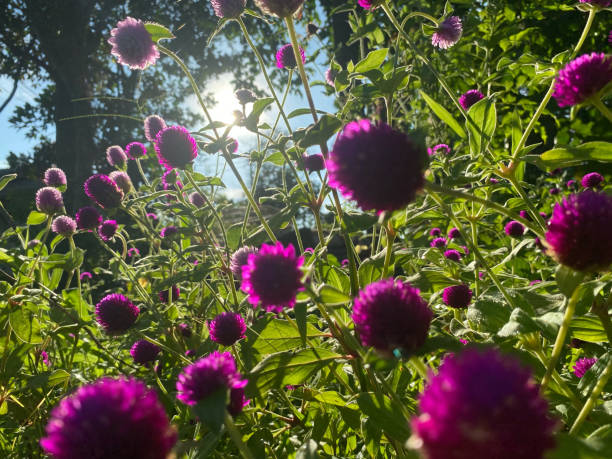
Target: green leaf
{"x": 372, "y": 61}
{"x": 211, "y": 409}
{"x": 158, "y": 32}
{"x": 259, "y": 106}
{"x": 6, "y": 179}
{"x": 567, "y": 280}
{"x": 571, "y": 156}
{"x": 332, "y": 296}
{"x": 308, "y": 450}
{"x": 25, "y": 325}
{"x": 233, "y": 236}
{"x": 518, "y": 324}
{"x": 572, "y": 447}
{"x": 36, "y": 218}
{"x": 385, "y": 414}
{"x": 48, "y": 379}
{"x": 489, "y": 314}
{"x": 444, "y": 115}
{"x": 593, "y": 375}
{"x": 358, "y": 221}
{"x": 278, "y": 335}
{"x": 319, "y": 133}
{"x": 588, "y": 328}
{"x": 482, "y": 125}
{"x": 72, "y": 299}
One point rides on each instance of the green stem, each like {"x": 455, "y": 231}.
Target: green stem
{"x": 423, "y": 15}
{"x": 590, "y": 403}
{"x": 389, "y": 252}
{"x": 605, "y": 111}
{"x": 142, "y": 174}
{"x": 388, "y": 104}
{"x": 420, "y": 367}
{"x": 532, "y": 210}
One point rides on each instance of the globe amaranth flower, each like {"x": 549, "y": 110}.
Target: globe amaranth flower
{"x": 582, "y": 366}
{"x": 313, "y": 163}
{"x": 280, "y": 8}
{"x": 103, "y": 191}
{"x": 578, "y": 233}
{"x": 239, "y": 259}
{"x": 88, "y": 218}
{"x": 438, "y": 243}
{"x": 376, "y": 166}
{"x": 107, "y": 230}
{"x": 116, "y": 314}
{"x": 470, "y": 98}
{"x": 272, "y": 277}
{"x": 390, "y": 314}
{"x": 152, "y": 125}
{"x": 115, "y": 156}
{"x": 86, "y": 275}
{"x": 285, "y": 57}
{"x": 592, "y": 180}
{"x": 44, "y": 357}
{"x": 49, "y": 200}
{"x": 457, "y": 296}
{"x": 582, "y": 78}
{"x": 448, "y": 33}
{"x": 133, "y": 252}
{"x": 369, "y": 4}
{"x": 144, "y": 352}
{"x": 227, "y": 328}
{"x": 151, "y": 216}
{"x": 514, "y": 229}
{"x": 554, "y": 190}
{"x": 454, "y": 233}
{"x": 64, "y": 226}
{"x": 135, "y": 150}
{"x": 170, "y": 178}
{"x": 208, "y": 375}
{"x": 441, "y": 147}
{"x": 525, "y": 215}
{"x": 229, "y": 9}
{"x": 122, "y": 179}
{"x": 132, "y": 44}
{"x": 164, "y": 295}
{"x": 55, "y": 177}
{"x": 330, "y": 77}
{"x": 175, "y": 147}
{"x": 109, "y": 418}
{"x": 33, "y": 243}
{"x": 482, "y": 404}
{"x": 245, "y": 96}
{"x": 570, "y": 183}
{"x": 185, "y": 330}
{"x": 453, "y": 255}
{"x": 197, "y": 199}
{"x": 435, "y": 232}
{"x": 169, "y": 232}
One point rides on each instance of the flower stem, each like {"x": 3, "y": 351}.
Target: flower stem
{"x": 142, "y": 174}
{"x": 532, "y": 210}
{"x": 605, "y": 111}
{"x": 595, "y": 393}
{"x": 389, "y": 252}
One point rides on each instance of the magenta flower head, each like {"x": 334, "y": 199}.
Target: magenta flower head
{"x": 514, "y": 229}
{"x": 554, "y": 190}
{"x": 152, "y": 125}
{"x": 135, "y": 150}
{"x": 103, "y": 191}
{"x": 578, "y": 233}
{"x": 239, "y": 259}
{"x": 369, "y": 4}
{"x": 175, "y": 147}
{"x": 438, "y": 243}
{"x": 49, "y": 200}
{"x": 116, "y": 314}
{"x": 107, "y": 230}
{"x": 132, "y": 44}
{"x": 208, "y": 375}
{"x": 185, "y": 330}
{"x": 285, "y": 58}
{"x": 582, "y": 366}
{"x": 245, "y": 96}
{"x": 441, "y": 147}
{"x": 390, "y": 314}
{"x": 582, "y": 78}
{"x": 88, "y": 218}
{"x": 272, "y": 277}
{"x": 482, "y": 404}
{"x": 227, "y": 328}
{"x": 169, "y": 178}
{"x": 151, "y": 216}
{"x": 86, "y": 275}
{"x": 470, "y": 98}
{"x": 122, "y": 179}
{"x": 457, "y": 296}
{"x": 169, "y": 232}
{"x": 454, "y": 233}
{"x": 229, "y": 9}
{"x": 64, "y": 226}
{"x": 435, "y": 232}
{"x": 133, "y": 252}
{"x": 448, "y": 33}
{"x": 330, "y": 77}
{"x": 115, "y": 156}
{"x": 197, "y": 199}
{"x": 280, "y": 8}
{"x": 144, "y": 352}
{"x": 313, "y": 163}
{"x": 164, "y": 295}
{"x": 453, "y": 255}
{"x": 592, "y": 180}
{"x": 118, "y": 418}
{"x": 376, "y": 166}
{"x": 55, "y": 177}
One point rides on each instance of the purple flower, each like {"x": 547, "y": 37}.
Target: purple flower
{"x": 103, "y": 191}
{"x": 116, "y": 314}
{"x": 169, "y": 232}
{"x": 570, "y": 183}
{"x": 197, "y": 199}
{"x": 313, "y": 163}
{"x": 438, "y": 243}
{"x": 152, "y": 125}
{"x": 272, "y": 277}
{"x": 133, "y": 252}
{"x": 442, "y": 147}
{"x": 369, "y": 4}
{"x": 55, "y": 177}
{"x": 171, "y": 178}
{"x": 454, "y": 233}
{"x": 229, "y": 9}
{"x": 185, "y": 330}
{"x": 86, "y": 275}
{"x": 64, "y": 226}
{"x": 448, "y": 33}
{"x": 122, "y": 180}
{"x": 482, "y": 404}
{"x": 534, "y": 282}
{"x": 582, "y": 366}
{"x": 554, "y": 190}
{"x": 132, "y": 44}
{"x": 514, "y": 229}
{"x": 245, "y": 96}
{"x": 582, "y": 78}
{"x": 390, "y": 314}
{"x": 525, "y": 215}
{"x": 457, "y": 296}
{"x": 116, "y": 156}
{"x": 109, "y": 418}
{"x": 493, "y": 181}
{"x": 453, "y": 255}
{"x": 227, "y": 328}
{"x": 144, "y": 352}
{"x": 470, "y": 98}
{"x": 208, "y": 375}
{"x": 175, "y": 147}
{"x": 592, "y": 180}
{"x": 280, "y": 8}
{"x": 237, "y": 401}
{"x": 49, "y": 200}
{"x": 107, "y": 230}
{"x": 151, "y": 216}
{"x": 376, "y": 166}
{"x": 330, "y": 76}
{"x": 578, "y": 233}
{"x": 135, "y": 150}
{"x": 189, "y": 353}
{"x": 285, "y": 58}
{"x": 239, "y": 259}
{"x": 164, "y": 295}
{"x": 45, "y": 358}
{"x": 33, "y": 243}
{"x": 435, "y": 232}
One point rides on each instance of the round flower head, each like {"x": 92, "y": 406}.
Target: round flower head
{"x": 245, "y": 96}
{"x": 390, "y": 314}
{"x": 237, "y": 402}
{"x": 33, "y": 243}
{"x": 116, "y": 156}
{"x": 482, "y": 404}
{"x": 185, "y": 330}
{"x": 116, "y": 314}
{"x": 109, "y": 418}
{"x": 438, "y": 243}
{"x": 239, "y": 259}
{"x": 570, "y": 183}
{"x": 152, "y": 125}
{"x": 144, "y": 352}
{"x": 457, "y": 296}
{"x": 135, "y": 150}
{"x": 86, "y": 275}
{"x": 524, "y": 214}
{"x": 601, "y": 3}
{"x": 454, "y": 233}
{"x": 107, "y": 230}
{"x": 88, "y": 218}
{"x": 578, "y": 233}
{"x": 582, "y": 78}
{"x": 554, "y": 190}
{"x": 272, "y": 277}
{"x": 227, "y": 328}
{"x": 280, "y": 8}
{"x": 376, "y": 166}
{"x": 49, "y": 200}
{"x": 514, "y": 229}
{"x": 64, "y": 226}
{"x": 169, "y": 178}
{"x": 442, "y": 148}
{"x": 435, "y": 232}
{"x": 582, "y": 366}
{"x": 330, "y": 77}
{"x": 168, "y": 232}
{"x": 312, "y": 29}
{"x": 132, "y": 44}
{"x": 448, "y": 33}
{"x": 369, "y": 4}
{"x": 175, "y": 147}
{"x": 151, "y": 216}
{"x": 122, "y": 180}
{"x": 206, "y": 376}
{"x": 285, "y": 57}
{"x": 103, "y": 191}
{"x": 133, "y": 252}
{"x": 313, "y": 163}
{"x": 197, "y": 199}
{"x": 592, "y": 180}
{"x": 229, "y": 9}
{"x": 55, "y": 177}
{"x": 164, "y": 295}
{"x": 453, "y": 255}
{"x": 470, "y": 98}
